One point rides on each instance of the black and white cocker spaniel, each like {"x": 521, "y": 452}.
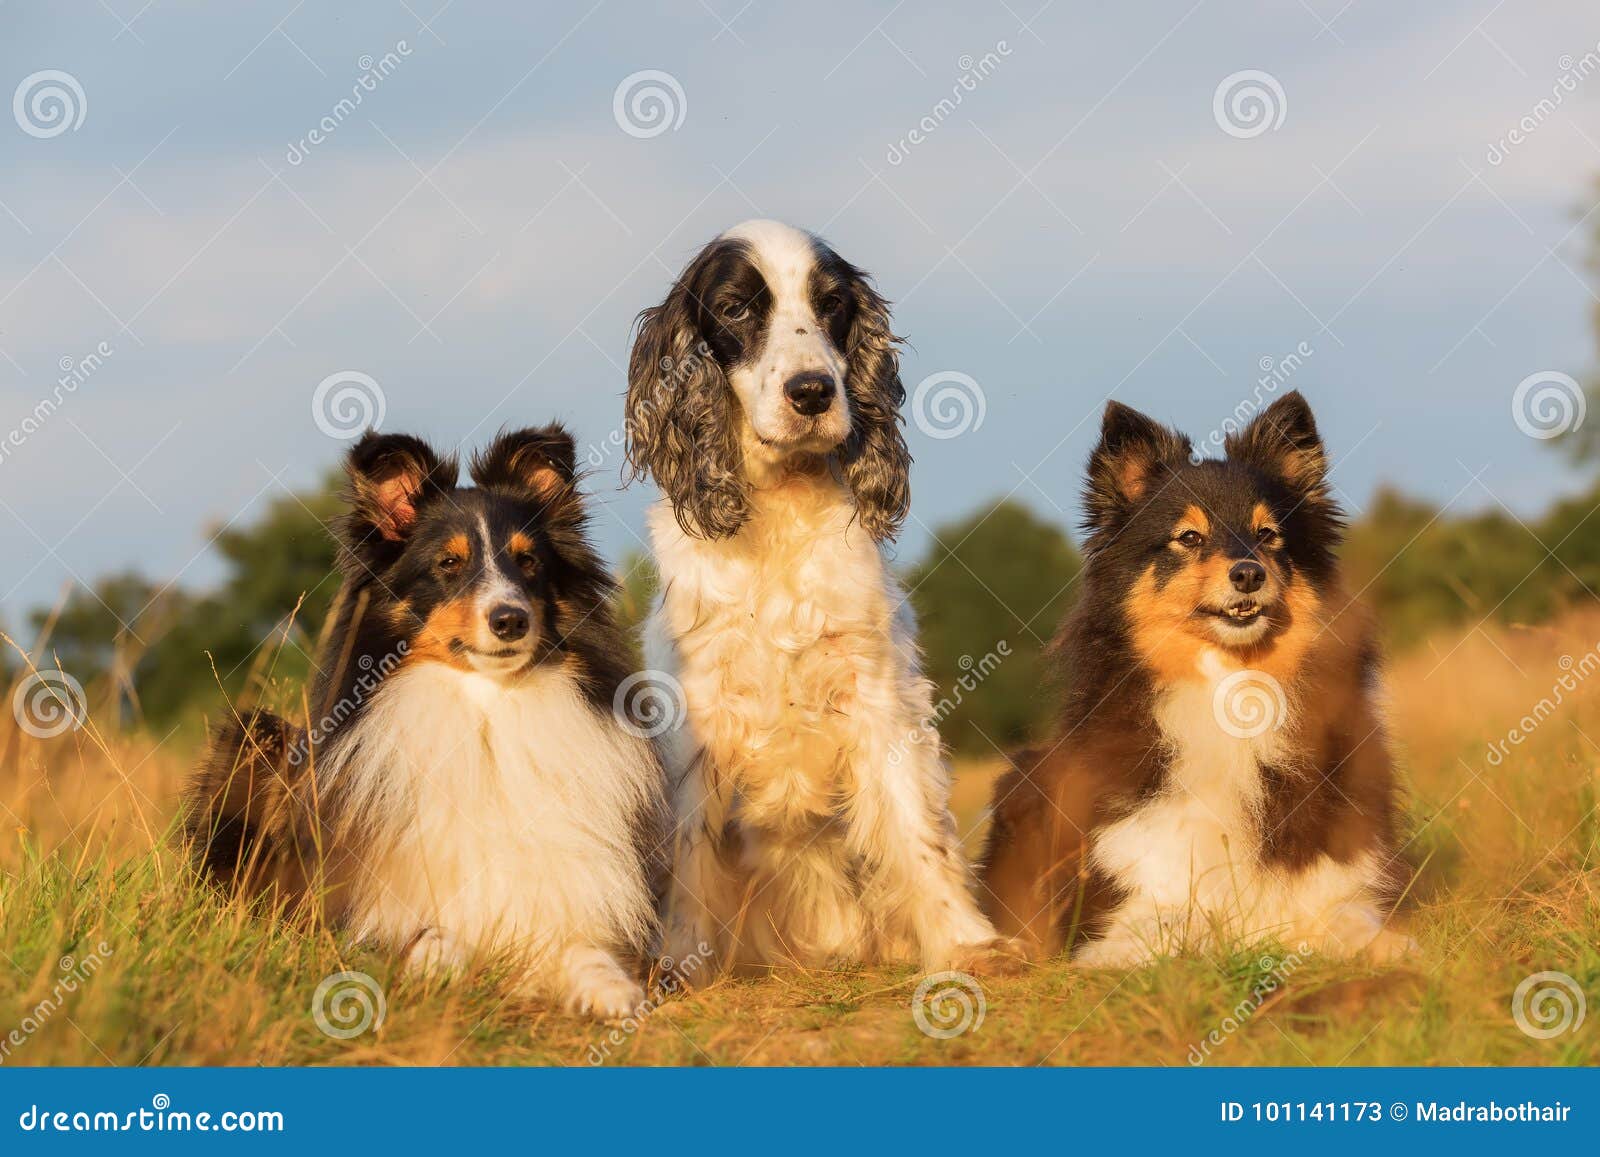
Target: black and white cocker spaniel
{"x": 812, "y": 815}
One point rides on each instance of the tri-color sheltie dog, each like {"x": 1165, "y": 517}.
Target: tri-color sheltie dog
{"x": 1222, "y": 772}
{"x": 463, "y": 783}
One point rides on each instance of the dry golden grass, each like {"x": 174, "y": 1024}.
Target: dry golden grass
{"x": 1508, "y": 859}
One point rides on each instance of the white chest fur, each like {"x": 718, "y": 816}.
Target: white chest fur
{"x": 494, "y": 815}
{"x": 789, "y": 639}
{"x": 1189, "y": 859}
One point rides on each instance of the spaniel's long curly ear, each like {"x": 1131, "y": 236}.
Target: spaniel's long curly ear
{"x": 1132, "y": 458}
{"x": 875, "y": 460}
{"x": 391, "y": 477}
{"x": 680, "y": 423}
{"x": 541, "y": 460}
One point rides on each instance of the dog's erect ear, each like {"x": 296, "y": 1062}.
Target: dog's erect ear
{"x": 875, "y": 460}
{"x": 540, "y": 459}
{"x": 391, "y": 475}
{"x": 1282, "y": 442}
{"x": 679, "y": 419}
{"x": 1134, "y": 453}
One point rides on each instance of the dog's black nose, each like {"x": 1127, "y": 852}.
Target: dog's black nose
{"x": 810, "y": 393}
{"x": 508, "y": 623}
{"x": 1247, "y": 576}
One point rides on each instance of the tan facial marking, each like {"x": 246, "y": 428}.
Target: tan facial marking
{"x": 520, "y": 543}
{"x": 459, "y": 545}
{"x": 1162, "y": 624}
{"x": 1261, "y": 517}
{"x": 447, "y": 623}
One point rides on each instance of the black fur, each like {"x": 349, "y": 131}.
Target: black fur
{"x": 681, "y": 412}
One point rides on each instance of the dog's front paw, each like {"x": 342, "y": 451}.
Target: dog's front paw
{"x": 606, "y": 998}
{"x": 433, "y": 953}
{"x": 1002, "y": 956}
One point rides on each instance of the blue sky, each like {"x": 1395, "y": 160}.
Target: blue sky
{"x": 477, "y": 236}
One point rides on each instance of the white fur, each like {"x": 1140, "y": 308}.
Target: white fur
{"x": 496, "y": 815}
{"x": 1189, "y": 859}
{"x": 795, "y": 650}
{"x": 796, "y": 342}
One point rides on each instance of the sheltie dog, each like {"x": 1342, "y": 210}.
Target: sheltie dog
{"x": 1222, "y": 772}
{"x": 463, "y": 783}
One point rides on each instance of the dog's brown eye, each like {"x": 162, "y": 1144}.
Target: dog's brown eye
{"x": 527, "y": 562}
{"x": 450, "y": 563}
{"x": 1190, "y": 539}
{"x": 1267, "y": 534}
{"x": 828, "y": 305}
{"x": 735, "y": 312}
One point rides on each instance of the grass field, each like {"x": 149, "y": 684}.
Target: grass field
{"x": 110, "y": 953}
